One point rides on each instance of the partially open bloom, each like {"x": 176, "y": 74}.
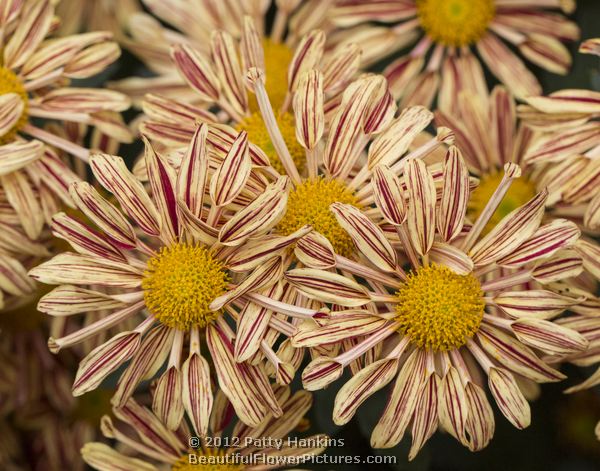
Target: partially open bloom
{"x": 447, "y": 32}
{"x": 470, "y": 307}
{"x": 34, "y": 79}
{"x": 177, "y": 263}
{"x": 153, "y": 444}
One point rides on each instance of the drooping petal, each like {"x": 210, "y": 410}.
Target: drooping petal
{"x": 509, "y": 397}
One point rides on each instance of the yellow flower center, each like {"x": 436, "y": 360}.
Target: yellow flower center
{"x": 10, "y": 83}
{"x": 520, "y": 192}
{"x": 93, "y": 405}
{"x": 179, "y": 284}
{"x": 438, "y": 309}
{"x": 211, "y": 459}
{"x": 258, "y": 135}
{"x": 308, "y": 204}
{"x": 455, "y": 22}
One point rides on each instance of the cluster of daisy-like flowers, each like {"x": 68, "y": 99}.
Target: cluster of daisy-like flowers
{"x": 287, "y": 219}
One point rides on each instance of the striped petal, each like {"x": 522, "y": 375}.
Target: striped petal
{"x": 426, "y": 415}
{"x": 421, "y": 205}
{"x": 196, "y": 71}
{"x": 321, "y": 372}
{"x": 547, "y": 52}
{"x": 590, "y": 253}
{"x": 103, "y": 360}
{"x": 66, "y": 300}
{"x": 113, "y": 174}
{"x": 197, "y": 393}
{"x": 453, "y": 406}
{"x": 315, "y": 251}
{"x": 308, "y": 109}
{"x": 509, "y": 397}
{"x": 510, "y": 232}
{"x": 558, "y": 146}
{"x": 567, "y": 101}
{"x": 108, "y": 218}
{"x": 538, "y": 303}
{"x": 401, "y": 404}
{"x": 307, "y": 56}
{"x": 480, "y": 421}
{"x": 13, "y": 277}
{"x": 389, "y": 195}
{"x": 515, "y": 356}
{"x": 231, "y": 176}
{"x": 545, "y": 242}
{"x": 166, "y": 401}
{"x": 17, "y": 155}
{"x": 70, "y": 268}
{"x": 591, "y": 218}
{"x": 83, "y": 100}
{"x": 361, "y": 386}
{"x": 104, "y": 458}
{"x": 22, "y": 197}
{"x": 368, "y": 238}
{"x": 452, "y": 257}
{"x": 548, "y": 337}
{"x": 328, "y": 287}
{"x": 193, "y": 173}
{"x": 11, "y": 108}
{"x": 229, "y": 70}
{"x": 565, "y": 264}
{"x": 455, "y": 195}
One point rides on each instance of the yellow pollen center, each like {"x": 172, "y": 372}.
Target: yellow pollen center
{"x": 10, "y": 83}
{"x": 308, "y": 204}
{"x": 179, "y": 284}
{"x": 211, "y": 459}
{"x": 438, "y": 309}
{"x": 520, "y": 192}
{"x": 455, "y": 22}
{"x": 258, "y": 135}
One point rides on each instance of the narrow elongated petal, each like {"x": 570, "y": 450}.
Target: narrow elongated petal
{"x": 511, "y": 232}
{"x": 455, "y": 195}
{"x": 22, "y": 198}
{"x": 315, "y": 251}
{"x": 538, "y": 303}
{"x": 452, "y": 257}
{"x": 17, "y": 155}
{"x": 66, "y": 300}
{"x": 426, "y": 415}
{"x": 453, "y": 406}
{"x": 421, "y": 205}
{"x": 360, "y": 324}
{"x": 480, "y": 421}
{"x": 193, "y": 172}
{"x": 320, "y": 372}
{"x": 103, "y": 360}
{"x": 167, "y": 403}
{"x": 196, "y": 71}
{"x": 553, "y": 147}
{"x": 105, "y": 458}
{"x": 548, "y": 336}
{"x": 11, "y": 108}
{"x": 567, "y": 101}
{"x": 509, "y": 397}
{"x": 328, "y": 287}
{"x": 564, "y": 264}
{"x": 389, "y": 195}
{"x": 113, "y": 174}
{"x": 83, "y": 100}
{"x": 197, "y": 393}
{"x": 591, "y": 218}
{"x": 308, "y": 109}
{"x": 13, "y": 277}
{"x": 368, "y": 238}
{"x": 547, "y": 52}
{"x": 306, "y": 57}
{"x": 520, "y": 359}
{"x": 361, "y": 386}
{"x": 590, "y": 253}
{"x": 230, "y": 178}
{"x": 229, "y": 70}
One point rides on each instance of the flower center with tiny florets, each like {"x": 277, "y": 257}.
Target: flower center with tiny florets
{"x": 10, "y": 83}
{"x": 211, "y": 459}
{"x": 455, "y": 22}
{"x": 308, "y": 204}
{"x": 179, "y": 284}
{"x": 520, "y": 192}
{"x": 438, "y": 309}
{"x": 258, "y": 135}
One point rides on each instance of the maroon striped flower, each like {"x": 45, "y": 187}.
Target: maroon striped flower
{"x": 471, "y": 307}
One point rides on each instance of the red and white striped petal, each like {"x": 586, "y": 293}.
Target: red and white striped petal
{"x": 557, "y": 146}
{"x": 167, "y": 403}
{"x": 108, "y": 218}
{"x": 453, "y": 407}
{"x": 321, "y": 372}
{"x": 328, "y": 287}
{"x": 480, "y": 421}
{"x": 197, "y": 393}
{"x": 567, "y": 101}
{"x": 70, "y": 268}
{"x": 193, "y": 173}
{"x": 9, "y": 10}
{"x": 22, "y": 197}
{"x": 504, "y": 119}
{"x": 548, "y": 337}
{"x": 511, "y": 232}
{"x": 421, "y": 205}
{"x": 361, "y": 386}
{"x": 590, "y": 253}
{"x": 13, "y": 277}
{"x": 11, "y": 109}
{"x": 509, "y": 397}
{"x": 368, "y": 238}
{"x": 315, "y": 251}
{"x": 102, "y": 457}
{"x": 509, "y": 69}
{"x": 545, "y": 242}
{"x": 83, "y": 100}
{"x": 196, "y": 71}
{"x": 426, "y": 415}
{"x": 391, "y": 145}
{"x": 32, "y": 27}
{"x": 229, "y": 71}
{"x": 259, "y": 216}
{"x": 67, "y": 300}
{"x": 515, "y": 356}
{"x": 103, "y": 360}
{"x": 17, "y": 155}
{"x": 451, "y": 257}
{"x": 389, "y": 195}
{"x": 538, "y": 303}
{"x": 354, "y": 324}
{"x": 308, "y": 109}
{"x": 564, "y": 264}
{"x": 162, "y": 180}
{"x": 307, "y": 56}
{"x": 231, "y": 176}
{"x": 455, "y": 195}
{"x": 84, "y": 239}
{"x": 402, "y": 402}
{"x": 547, "y": 52}
{"x": 340, "y": 67}
{"x": 591, "y": 218}
{"x": 92, "y": 60}
{"x": 113, "y": 174}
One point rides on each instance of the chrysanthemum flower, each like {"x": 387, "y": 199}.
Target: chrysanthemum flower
{"x": 471, "y": 307}
{"x": 447, "y": 32}
{"x": 153, "y": 444}
{"x": 34, "y": 84}
{"x": 178, "y": 263}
